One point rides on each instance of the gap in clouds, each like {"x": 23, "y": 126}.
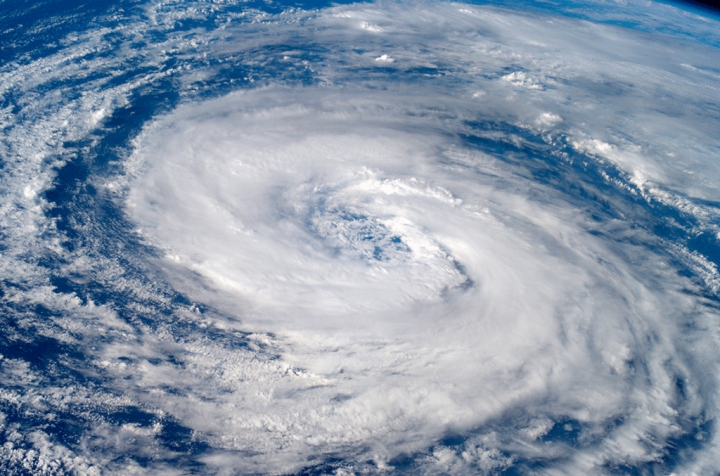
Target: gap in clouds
{"x": 129, "y": 320}
{"x": 605, "y": 193}
{"x": 95, "y": 234}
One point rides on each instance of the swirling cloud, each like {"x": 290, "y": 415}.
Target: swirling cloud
{"x": 428, "y": 238}
{"x": 412, "y": 279}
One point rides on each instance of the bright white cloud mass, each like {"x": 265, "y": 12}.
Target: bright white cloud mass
{"x": 376, "y": 238}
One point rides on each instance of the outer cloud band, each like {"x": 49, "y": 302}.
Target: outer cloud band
{"x": 489, "y": 312}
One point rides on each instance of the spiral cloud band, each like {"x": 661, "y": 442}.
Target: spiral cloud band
{"x": 417, "y": 295}
{"x": 422, "y": 238}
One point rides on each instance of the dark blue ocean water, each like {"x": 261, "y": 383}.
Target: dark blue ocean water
{"x": 91, "y": 223}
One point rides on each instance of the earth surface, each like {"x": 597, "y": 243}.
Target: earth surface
{"x": 242, "y": 237}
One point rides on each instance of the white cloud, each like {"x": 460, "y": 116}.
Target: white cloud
{"x": 398, "y": 284}
{"x": 384, "y": 59}
{"x": 423, "y": 334}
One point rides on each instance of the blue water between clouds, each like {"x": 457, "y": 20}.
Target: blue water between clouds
{"x": 78, "y": 207}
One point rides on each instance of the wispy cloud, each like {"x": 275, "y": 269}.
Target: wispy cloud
{"x": 428, "y": 231}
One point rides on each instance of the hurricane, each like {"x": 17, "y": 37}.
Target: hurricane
{"x": 398, "y": 237}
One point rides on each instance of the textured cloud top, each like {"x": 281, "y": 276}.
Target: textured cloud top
{"x": 410, "y": 276}
{"x": 408, "y": 238}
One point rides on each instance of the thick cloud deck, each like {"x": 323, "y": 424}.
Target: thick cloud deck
{"x": 412, "y": 238}
{"x": 419, "y": 294}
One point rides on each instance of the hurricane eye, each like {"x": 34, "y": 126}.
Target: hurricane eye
{"x": 359, "y": 237}
{"x": 355, "y": 235}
